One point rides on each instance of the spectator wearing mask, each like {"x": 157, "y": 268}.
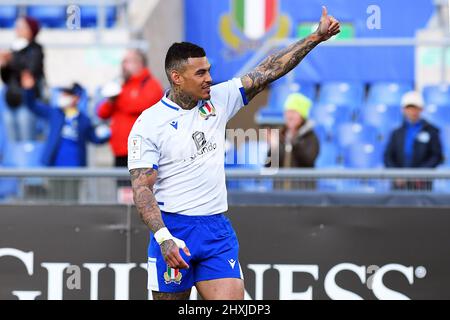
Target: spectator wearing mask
{"x": 139, "y": 91}
{"x": 26, "y": 58}
{"x": 297, "y": 143}
{"x": 70, "y": 129}
{"x": 416, "y": 144}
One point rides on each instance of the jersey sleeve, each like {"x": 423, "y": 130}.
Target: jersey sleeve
{"x": 142, "y": 149}
{"x": 231, "y": 95}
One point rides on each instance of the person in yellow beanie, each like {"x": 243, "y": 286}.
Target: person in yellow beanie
{"x": 298, "y": 145}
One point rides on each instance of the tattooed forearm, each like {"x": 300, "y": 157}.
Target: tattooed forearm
{"x": 142, "y": 182}
{"x": 277, "y": 65}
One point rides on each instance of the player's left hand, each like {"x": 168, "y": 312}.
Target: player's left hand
{"x": 328, "y": 26}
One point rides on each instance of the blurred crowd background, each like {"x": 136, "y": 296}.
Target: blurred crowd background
{"x": 76, "y": 75}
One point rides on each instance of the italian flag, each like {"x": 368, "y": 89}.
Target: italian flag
{"x": 255, "y": 17}
{"x": 206, "y": 109}
{"x": 173, "y": 273}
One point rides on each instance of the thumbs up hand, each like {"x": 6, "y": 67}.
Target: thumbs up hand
{"x": 328, "y": 26}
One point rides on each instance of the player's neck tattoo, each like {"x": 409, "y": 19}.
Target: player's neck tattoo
{"x": 182, "y": 99}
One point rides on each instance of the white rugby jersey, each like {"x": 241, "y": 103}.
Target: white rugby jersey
{"x": 187, "y": 148}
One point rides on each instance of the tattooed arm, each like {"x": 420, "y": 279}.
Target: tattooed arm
{"x": 278, "y": 64}
{"x": 142, "y": 181}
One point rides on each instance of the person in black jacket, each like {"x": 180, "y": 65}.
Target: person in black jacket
{"x": 416, "y": 144}
{"x": 25, "y": 58}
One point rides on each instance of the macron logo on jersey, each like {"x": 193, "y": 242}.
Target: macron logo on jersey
{"x": 174, "y": 124}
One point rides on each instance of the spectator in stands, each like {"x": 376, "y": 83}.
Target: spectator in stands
{"x": 139, "y": 91}
{"x": 416, "y": 144}
{"x": 297, "y": 144}
{"x": 70, "y": 129}
{"x": 25, "y": 58}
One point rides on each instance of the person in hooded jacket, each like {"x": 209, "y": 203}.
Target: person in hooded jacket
{"x": 297, "y": 144}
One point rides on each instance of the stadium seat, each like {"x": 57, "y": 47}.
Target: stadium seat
{"x": 438, "y": 95}
{"x": 361, "y": 155}
{"x": 348, "y": 94}
{"x": 383, "y": 117}
{"x": 445, "y": 140}
{"x": 273, "y": 112}
{"x": 323, "y": 134}
{"x": 20, "y": 155}
{"x": 280, "y": 91}
{"x": 329, "y": 156}
{"x": 49, "y": 16}
{"x": 25, "y": 154}
{"x": 388, "y": 93}
{"x": 331, "y": 115}
{"x": 8, "y": 16}
{"x": 269, "y": 116}
{"x": 3, "y": 140}
{"x": 437, "y": 115}
{"x": 442, "y": 185}
{"x": 9, "y": 187}
{"x": 89, "y": 16}
{"x": 350, "y": 133}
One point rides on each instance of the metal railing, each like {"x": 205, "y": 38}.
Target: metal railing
{"x": 273, "y": 173}
{"x": 100, "y": 186}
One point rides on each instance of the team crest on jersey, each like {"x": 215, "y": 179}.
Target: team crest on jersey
{"x": 172, "y": 276}
{"x": 207, "y": 110}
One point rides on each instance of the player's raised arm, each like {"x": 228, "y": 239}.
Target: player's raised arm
{"x": 142, "y": 181}
{"x": 278, "y": 64}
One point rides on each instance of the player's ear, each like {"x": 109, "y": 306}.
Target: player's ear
{"x": 176, "y": 77}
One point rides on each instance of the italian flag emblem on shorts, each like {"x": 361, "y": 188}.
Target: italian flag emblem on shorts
{"x": 172, "y": 276}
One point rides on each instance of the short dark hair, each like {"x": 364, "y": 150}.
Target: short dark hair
{"x": 179, "y": 53}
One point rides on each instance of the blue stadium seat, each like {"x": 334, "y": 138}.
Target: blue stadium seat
{"x": 3, "y": 139}
{"x": 364, "y": 186}
{"x": 8, "y": 16}
{"x": 49, "y": 16}
{"x": 323, "y": 134}
{"x": 350, "y": 133}
{"x": 389, "y": 93}
{"x": 445, "y": 140}
{"x": 329, "y": 156}
{"x": 438, "y": 95}
{"x": 25, "y": 154}
{"x": 331, "y": 115}
{"x": 349, "y": 94}
{"x": 383, "y": 117}
{"x": 273, "y": 112}
{"x": 9, "y": 187}
{"x": 442, "y": 185}
{"x": 280, "y": 91}
{"x": 361, "y": 155}
{"x": 437, "y": 115}
{"x": 89, "y": 16}
{"x": 20, "y": 155}
{"x": 269, "y": 116}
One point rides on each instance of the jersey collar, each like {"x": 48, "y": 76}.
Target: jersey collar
{"x": 172, "y": 105}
